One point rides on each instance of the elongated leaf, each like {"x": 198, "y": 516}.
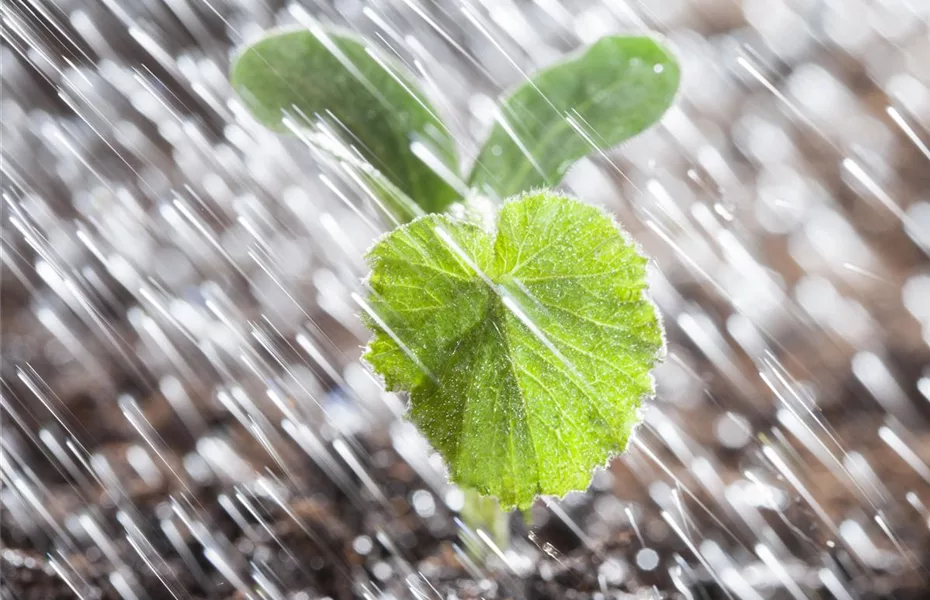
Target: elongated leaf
{"x": 526, "y": 354}
{"x": 613, "y": 90}
{"x": 373, "y": 104}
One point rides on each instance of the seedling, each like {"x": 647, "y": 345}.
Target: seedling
{"x": 525, "y": 346}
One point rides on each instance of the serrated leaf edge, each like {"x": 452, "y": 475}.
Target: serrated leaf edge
{"x": 658, "y": 358}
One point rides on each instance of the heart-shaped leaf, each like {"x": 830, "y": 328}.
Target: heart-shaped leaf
{"x": 526, "y": 353}
{"x": 372, "y": 104}
{"x": 613, "y": 90}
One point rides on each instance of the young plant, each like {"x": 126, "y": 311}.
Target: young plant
{"x": 526, "y": 346}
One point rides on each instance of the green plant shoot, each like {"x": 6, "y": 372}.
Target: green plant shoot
{"x": 526, "y": 347}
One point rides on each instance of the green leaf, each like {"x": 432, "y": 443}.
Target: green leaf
{"x": 610, "y": 92}
{"x": 526, "y": 353}
{"x": 371, "y": 102}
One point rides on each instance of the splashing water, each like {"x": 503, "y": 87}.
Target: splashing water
{"x": 184, "y": 413}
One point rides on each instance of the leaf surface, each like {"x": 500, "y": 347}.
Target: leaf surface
{"x": 613, "y": 90}
{"x": 527, "y": 353}
{"x": 373, "y": 105}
